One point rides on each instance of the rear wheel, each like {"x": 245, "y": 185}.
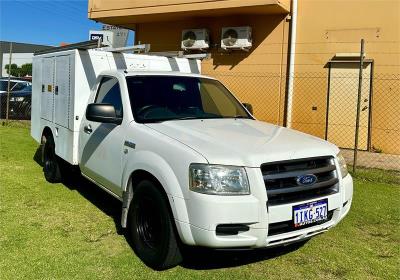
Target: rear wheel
{"x": 151, "y": 228}
{"x": 51, "y": 163}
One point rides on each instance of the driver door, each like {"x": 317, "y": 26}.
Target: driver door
{"x": 101, "y": 144}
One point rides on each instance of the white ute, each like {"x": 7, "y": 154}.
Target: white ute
{"x": 188, "y": 161}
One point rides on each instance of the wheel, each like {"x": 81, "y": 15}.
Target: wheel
{"x": 27, "y": 112}
{"x": 51, "y": 163}
{"x": 151, "y": 229}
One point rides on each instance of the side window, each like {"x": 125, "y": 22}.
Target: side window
{"x": 18, "y": 86}
{"x": 109, "y": 92}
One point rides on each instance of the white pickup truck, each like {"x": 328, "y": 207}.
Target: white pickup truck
{"x": 188, "y": 161}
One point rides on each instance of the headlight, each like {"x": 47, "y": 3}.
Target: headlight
{"x": 342, "y": 165}
{"x": 16, "y": 99}
{"x": 218, "y": 179}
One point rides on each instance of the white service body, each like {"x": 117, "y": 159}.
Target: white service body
{"x": 65, "y": 83}
{"x": 62, "y": 84}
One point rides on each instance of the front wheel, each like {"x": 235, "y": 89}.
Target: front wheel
{"x": 151, "y": 228}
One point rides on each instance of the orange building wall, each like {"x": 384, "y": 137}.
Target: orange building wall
{"x": 134, "y": 11}
{"x": 329, "y": 27}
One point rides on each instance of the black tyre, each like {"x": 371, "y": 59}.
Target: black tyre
{"x": 151, "y": 229}
{"x": 51, "y": 163}
{"x": 27, "y": 112}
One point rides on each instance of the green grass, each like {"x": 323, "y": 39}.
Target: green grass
{"x": 71, "y": 232}
{"x": 377, "y": 176}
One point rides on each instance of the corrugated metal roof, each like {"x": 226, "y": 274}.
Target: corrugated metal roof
{"x": 21, "y": 47}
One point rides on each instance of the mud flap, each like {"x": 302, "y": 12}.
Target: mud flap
{"x": 126, "y": 200}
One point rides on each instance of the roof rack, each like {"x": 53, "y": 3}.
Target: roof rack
{"x": 80, "y": 46}
{"x": 143, "y": 48}
{"x": 136, "y": 48}
{"x": 180, "y": 54}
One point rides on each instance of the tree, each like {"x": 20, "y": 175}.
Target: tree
{"x": 12, "y": 69}
{"x": 24, "y": 70}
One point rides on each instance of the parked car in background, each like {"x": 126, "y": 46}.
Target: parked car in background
{"x": 20, "y": 98}
{"x": 16, "y": 84}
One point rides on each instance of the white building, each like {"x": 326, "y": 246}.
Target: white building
{"x": 22, "y": 54}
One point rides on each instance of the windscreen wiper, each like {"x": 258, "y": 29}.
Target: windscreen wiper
{"x": 192, "y": 118}
{"x": 182, "y": 119}
{"x": 239, "y": 117}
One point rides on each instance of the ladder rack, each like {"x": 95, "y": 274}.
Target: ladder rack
{"x": 86, "y": 45}
{"x": 136, "y": 48}
{"x": 180, "y": 54}
{"x": 139, "y": 49}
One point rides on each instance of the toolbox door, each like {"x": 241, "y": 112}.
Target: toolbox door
{"x": 47, "y": 96}
{"x": 62, "y": 91}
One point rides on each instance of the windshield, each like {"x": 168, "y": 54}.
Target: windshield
{"x": 164, "y": 98}
{"x": 4, "y": 85}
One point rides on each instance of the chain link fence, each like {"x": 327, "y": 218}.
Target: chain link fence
{"x": 324, "y": 103}
{"x": 15, "y": 89}
{"x": 19, "y": 104}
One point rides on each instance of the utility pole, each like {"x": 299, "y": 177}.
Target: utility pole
{"x": 9, "y": 83}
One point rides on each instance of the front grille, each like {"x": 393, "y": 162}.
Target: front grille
{"x": 280, "y": 179}
{"x": 287, "y": 226}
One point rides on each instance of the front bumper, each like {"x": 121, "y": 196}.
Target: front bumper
{"x": 206, "y": 212}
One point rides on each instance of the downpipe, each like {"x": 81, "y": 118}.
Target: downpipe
{"x": 292, "y": 56}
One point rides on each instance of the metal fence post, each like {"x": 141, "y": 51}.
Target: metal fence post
{"x": 360, "y": 80}
{"x": 9, "y": 84}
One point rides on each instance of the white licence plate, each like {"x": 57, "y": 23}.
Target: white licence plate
{"x": 310, "y": 213}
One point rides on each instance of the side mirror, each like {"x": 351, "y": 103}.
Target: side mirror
{"x": 103, "y": 113}
{"x": 249, "y": 107}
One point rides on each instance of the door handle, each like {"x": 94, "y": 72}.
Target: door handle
{"x": 88, "y": 129}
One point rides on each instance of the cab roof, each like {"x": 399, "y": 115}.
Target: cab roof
{"x": 129, "y": 73}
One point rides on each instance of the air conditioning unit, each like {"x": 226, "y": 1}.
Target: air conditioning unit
{"x": 238, "y": 38}
{"x": 195, "y": 39}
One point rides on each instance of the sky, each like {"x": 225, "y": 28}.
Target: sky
{"x": 46, "y": 22}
